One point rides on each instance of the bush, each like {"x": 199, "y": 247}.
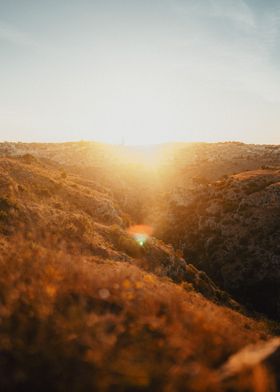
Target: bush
{"x": 129, "y": 246}
{"x": 7, "y": 204}
{"x": 28, "y": 159}
{"x": 4, "y": 216}
{"x": 63, "y": 174}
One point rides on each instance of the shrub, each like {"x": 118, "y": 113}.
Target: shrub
{"x": 7, "y": 204}
{"x": 129, "y": 246}
{"x": 63, "y": 174}
{"x": 4, "y": 216}
{"x": 28, "y": 159}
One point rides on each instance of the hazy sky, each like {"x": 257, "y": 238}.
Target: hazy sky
{"x": 144, "y": 71}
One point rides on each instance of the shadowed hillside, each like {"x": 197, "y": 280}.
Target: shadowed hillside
{"x": 231, "y": 230}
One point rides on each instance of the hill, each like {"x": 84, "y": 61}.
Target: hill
{"x": 86, "y": 306}
{"x": 230, "y": 229}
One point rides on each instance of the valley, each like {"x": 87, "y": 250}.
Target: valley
{"x": 85, "y": 306}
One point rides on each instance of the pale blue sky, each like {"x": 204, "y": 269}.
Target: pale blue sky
{"x": 145, "y": 71}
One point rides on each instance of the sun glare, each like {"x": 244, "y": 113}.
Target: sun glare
{"x": 150, "y": 156}
{"x": 140, "y": 233}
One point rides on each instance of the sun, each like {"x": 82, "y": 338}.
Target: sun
{"x": 148, "y": 156}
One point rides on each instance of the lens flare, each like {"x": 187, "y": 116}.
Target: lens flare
{"x": 140, "y": 233}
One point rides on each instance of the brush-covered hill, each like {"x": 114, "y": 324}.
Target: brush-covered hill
{"x": 231, "y": 229}
{"x": 85, "y": 307}
{"x": 82, "y": 217}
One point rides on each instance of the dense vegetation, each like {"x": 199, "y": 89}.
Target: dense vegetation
{"x": 85, "y": 307}
{"x": 231, "y": 230}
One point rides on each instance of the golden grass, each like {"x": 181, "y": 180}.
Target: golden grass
{"x": 79, "y": 308}
{"x": 74, "y": 323}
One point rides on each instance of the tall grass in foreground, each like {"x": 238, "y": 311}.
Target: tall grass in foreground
{"x": 72, "y": 323}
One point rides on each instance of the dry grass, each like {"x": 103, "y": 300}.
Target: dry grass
{"x": 80, "y": 309}
{"x": 80, "y": 324}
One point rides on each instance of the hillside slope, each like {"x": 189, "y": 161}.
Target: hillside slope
{"x": 84, "y": 218}
{"x": 85, "y": 307}
{"x": 230, "y": 229}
